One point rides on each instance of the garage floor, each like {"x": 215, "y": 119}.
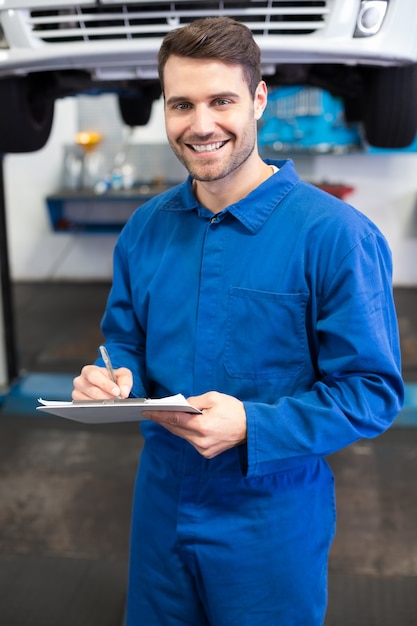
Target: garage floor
{"x": 65, "y": 491}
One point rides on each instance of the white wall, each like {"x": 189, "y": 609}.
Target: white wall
{"x": 385, "y": 190}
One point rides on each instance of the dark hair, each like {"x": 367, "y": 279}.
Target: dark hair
{"x": 220, "y": 38}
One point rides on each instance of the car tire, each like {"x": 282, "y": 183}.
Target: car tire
{"x": 135, "y": 111}
{"x": 135, "y": 106}
{"x": 26, "y": 119}
{"x": 390, "y": 108}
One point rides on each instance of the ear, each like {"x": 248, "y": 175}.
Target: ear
{"x": 260, "y": 100}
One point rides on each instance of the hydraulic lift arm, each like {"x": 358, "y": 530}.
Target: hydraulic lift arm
{"x": 8, "y": 353}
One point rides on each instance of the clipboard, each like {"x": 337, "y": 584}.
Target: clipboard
{"x": 114, "y": 409}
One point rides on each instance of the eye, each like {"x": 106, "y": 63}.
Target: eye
{"x": 222, "y": 102}
{"x": 182, "y": 106}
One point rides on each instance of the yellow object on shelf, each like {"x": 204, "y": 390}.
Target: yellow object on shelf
{"x": 88, "y": 139}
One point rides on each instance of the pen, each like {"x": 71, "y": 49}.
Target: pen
{"x": 107, "y": 362}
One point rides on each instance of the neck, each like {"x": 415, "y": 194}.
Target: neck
{"x": 216, "y": 195}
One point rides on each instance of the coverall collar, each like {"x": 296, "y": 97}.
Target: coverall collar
{"x": 253, "y": 210}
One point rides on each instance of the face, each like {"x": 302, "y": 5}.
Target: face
{"x": 210, "y": 116}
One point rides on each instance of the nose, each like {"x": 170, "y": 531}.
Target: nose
{"x": 202, "y": 122}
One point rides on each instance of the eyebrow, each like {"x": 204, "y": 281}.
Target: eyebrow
{"x": 214, "y": 96}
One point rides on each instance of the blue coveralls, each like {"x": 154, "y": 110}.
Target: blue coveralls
{"x": 284, "y": 301}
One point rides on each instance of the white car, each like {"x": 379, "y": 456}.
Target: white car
{"x": 363, "y": 51}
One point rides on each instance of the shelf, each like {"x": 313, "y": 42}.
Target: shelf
{"x": 82, "y": 210}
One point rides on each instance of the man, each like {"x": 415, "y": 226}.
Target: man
{"x": 268, "y": 304}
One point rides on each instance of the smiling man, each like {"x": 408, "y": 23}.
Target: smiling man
{"x": 268, "y": 303}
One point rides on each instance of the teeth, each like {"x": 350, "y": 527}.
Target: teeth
{"x": 208, "y": 147}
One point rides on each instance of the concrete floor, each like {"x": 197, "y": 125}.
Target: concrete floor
{"x": 65, "y": 491}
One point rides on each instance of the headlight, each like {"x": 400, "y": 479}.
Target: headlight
{"x": 370, "y": 17}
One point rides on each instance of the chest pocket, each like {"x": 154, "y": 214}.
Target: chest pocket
{"x": 266, "y": 336}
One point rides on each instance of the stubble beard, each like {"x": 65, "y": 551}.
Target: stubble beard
{"x": 206, "y": 171}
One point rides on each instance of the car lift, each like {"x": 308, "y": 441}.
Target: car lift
{"x": 8, "y": 364}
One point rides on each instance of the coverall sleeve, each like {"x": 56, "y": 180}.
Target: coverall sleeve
{"x": 358, "y": 390}
{"x": 125, "y": 339}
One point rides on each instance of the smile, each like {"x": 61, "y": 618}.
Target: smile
{"x": 209, "y": 147}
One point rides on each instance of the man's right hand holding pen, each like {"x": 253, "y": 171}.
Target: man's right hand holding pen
{"x": 95, "y": 383}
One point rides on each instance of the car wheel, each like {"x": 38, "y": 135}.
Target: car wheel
{"x": 390, "y": 110}
{"x": 26, "y": 119}
{"x": 135, "y": 106}
{"x": 135, "y": 111}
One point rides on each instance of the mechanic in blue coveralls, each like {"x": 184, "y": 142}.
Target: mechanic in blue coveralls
{"x": 268, "y": 304}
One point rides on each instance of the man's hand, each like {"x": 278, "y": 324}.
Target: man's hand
{"x": 220, "y": 426}
{"x": 94, "y": 383}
